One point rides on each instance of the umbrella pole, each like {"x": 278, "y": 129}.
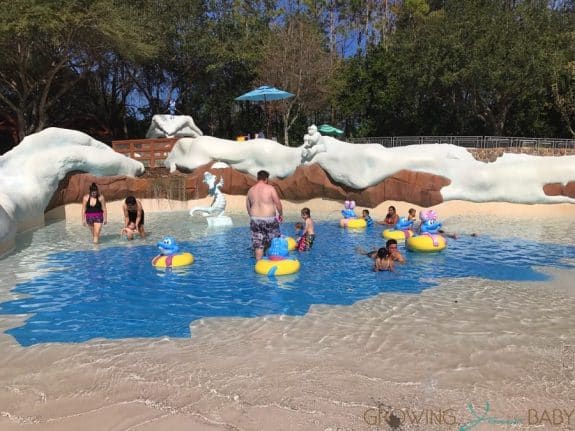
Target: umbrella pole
{"x": 266, "y": 116}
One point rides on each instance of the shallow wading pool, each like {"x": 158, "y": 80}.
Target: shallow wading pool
{"x": 71, "y": 291}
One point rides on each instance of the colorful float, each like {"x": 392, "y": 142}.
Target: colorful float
{"x": 401, "y": 231}
{"x": 277, "y": 261}
{"x": 350, "y": 219}
{"x": 429, "y": 239}
{"x": 170, "y": 255}
{"x": 292, "y": 243}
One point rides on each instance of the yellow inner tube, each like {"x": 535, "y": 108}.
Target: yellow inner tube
{"x": 356, "y": 223}
{"x": 291, "y": 243}
{"x": 424, "y": 243}
{"x": 277, "y": 267}
{"x": 172, "y": 261}
{"x": 396, "y": 234}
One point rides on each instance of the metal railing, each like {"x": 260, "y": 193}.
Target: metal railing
{"x": 153, "y": 152}
{"x": 480, "y": 142}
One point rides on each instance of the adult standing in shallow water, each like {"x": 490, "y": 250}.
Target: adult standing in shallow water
{"x": 94, "y": 213}
{"x": 266, "y": 213}
{"x": 134, "y": 213}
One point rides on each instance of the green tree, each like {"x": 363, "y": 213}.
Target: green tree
{"x": 563, "y": 86}
{"x": 53, "y": 44}
{"x": 564, "y": 96}
{"x": 217, "y": 61}
{"x": 502, "y": 72}
{"x": 470, "y": 67}
{"x": 295, "y": 59}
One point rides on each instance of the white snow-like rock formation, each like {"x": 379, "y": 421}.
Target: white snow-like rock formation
{"x": 30, "y": 173}
{"x": 246, "y": 156}
{"x": 517, "y": 178}
{"x": 173, "y": 126}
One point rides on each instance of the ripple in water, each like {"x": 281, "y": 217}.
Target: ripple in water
{"x": 114, "y": 292}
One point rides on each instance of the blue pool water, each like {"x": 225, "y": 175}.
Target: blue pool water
{"x": 115, "y": 292}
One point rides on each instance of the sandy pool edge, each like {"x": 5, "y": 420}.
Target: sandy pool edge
{"x": 322, "y": 208}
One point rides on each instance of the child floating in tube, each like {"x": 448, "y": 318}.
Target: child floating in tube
{"x": 365, "y": 215}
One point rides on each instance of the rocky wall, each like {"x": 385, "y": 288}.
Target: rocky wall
{"x": 307, "y": 182}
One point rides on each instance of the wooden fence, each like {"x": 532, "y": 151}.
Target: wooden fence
{"x": 151, "y": 152}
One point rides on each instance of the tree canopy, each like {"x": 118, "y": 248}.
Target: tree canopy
{"x": 369, "y": 67}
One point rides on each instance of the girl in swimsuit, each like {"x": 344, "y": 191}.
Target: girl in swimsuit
{"x": 383, "y": 260}
{"x": 94, "y": 213}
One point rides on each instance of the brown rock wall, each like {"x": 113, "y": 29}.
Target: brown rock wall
{"x": 76, "y": 184}
{"x": 569, "y": 189}
{"x": 553, "y": 189}
{"x": 558, "y": 189}
{"x": 307, "y": 182}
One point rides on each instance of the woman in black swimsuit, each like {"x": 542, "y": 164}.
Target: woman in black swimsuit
{"x": 94, "y": 213}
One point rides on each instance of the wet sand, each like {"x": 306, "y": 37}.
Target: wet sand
{"x": 424, "y": 356}
{"x": 327, "y": 209}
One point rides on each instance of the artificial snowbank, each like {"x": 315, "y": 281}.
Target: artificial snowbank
{"x": 517, "y": 178}
{"x": 30, "y": 173}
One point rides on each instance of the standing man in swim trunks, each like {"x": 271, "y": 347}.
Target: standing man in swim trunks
{"x": 266, "y": 213}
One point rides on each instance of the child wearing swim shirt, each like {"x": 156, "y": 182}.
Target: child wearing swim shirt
{"x": 306, "y": 241}
{"x": 365, "y": 215}
{"x": 411, "y": 215}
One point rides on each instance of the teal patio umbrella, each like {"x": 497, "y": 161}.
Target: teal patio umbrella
{"x": 264, "y": 94}
{"x": 326, "y": 129}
